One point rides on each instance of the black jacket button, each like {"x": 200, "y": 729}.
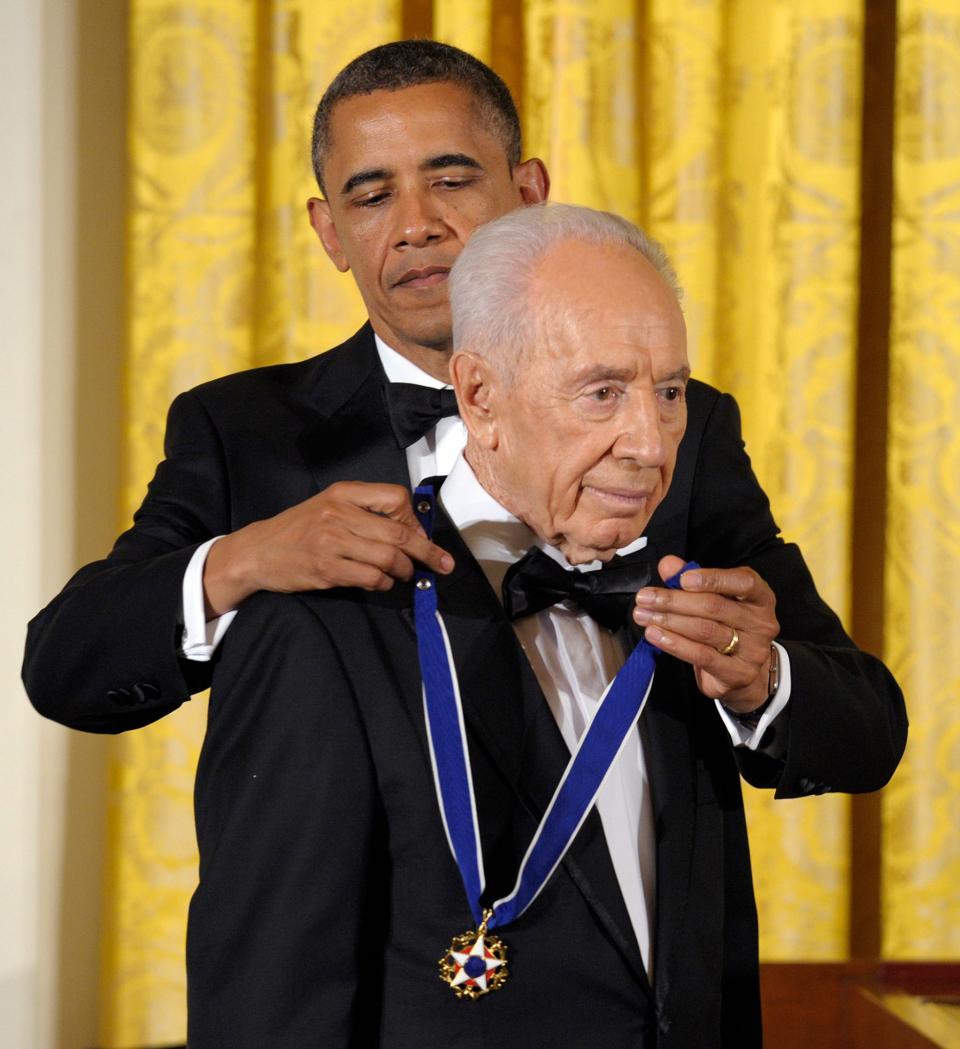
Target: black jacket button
{"x": 144, "y": 693}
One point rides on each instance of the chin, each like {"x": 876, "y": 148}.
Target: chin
{"x": 583, "y": 547}
{"x": 619, "y": 532}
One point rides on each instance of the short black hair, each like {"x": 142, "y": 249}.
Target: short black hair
{"x": 407, "y": 63}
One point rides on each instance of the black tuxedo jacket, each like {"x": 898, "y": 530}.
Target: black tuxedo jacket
{"x": 327, "y": 891}
{"x": 102, "y": 656}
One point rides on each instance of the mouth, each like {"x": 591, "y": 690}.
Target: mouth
{"x": 623, "y": 499}
{"x": 428, "y": 277}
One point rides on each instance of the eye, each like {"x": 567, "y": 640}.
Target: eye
{"x": 603, "y": 394}
{"x": 671, "y": 393}
{"x": 372, "y": 200}
{"x": 453, "y": 182}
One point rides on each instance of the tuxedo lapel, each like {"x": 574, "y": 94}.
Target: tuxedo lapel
{"x": 349, "y": 438}
{"x": 506, "y": 709}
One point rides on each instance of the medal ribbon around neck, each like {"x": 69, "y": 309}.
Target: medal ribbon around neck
{"x": 615, "y": 718}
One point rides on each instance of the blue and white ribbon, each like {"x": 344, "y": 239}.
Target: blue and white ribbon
{"x": 615, "y": 718}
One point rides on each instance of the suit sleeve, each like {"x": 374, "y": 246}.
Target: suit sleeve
{"x": 845, "y": 726}
{"x": 290, "y": 829}
{"x": 102, "y": 656}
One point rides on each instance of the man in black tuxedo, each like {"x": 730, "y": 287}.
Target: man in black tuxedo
{"x": 303, "y": 469}
{"x": 328, "y": 890}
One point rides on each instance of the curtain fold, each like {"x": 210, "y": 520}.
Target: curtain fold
{"x": 921, "y": 859}
{"x": 731, "y": 131}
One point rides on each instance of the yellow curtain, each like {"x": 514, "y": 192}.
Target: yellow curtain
{"x": 730, "y": 129}
{"x": 922, "y": 805}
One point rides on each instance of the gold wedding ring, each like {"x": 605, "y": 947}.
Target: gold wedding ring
{"x": 732, "y": 646}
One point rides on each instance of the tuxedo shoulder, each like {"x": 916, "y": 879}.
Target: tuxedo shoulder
{"x": 709, "y": 410}
{"x": 702, "y": 394}
{"x": 294, "y": 378}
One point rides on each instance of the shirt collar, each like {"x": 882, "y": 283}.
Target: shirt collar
{"x": 492, "y": 534}
{"x": 399, "y": 369}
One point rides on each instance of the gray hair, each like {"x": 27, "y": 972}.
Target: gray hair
{"x": 490, "y": 282}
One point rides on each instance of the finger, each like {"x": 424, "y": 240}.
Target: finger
{"x": 715, "y": 634}
{"x": 669, "y": 566}
{"x": 385, "y": 557}
{"x": 731, "y": 672}
{"x": 362, "y": 575}
{"x": 741, "y": 583}
{"x": 755, "y": 613}
{"x": 428, "y": 554}
{"x": 403, "y": 536}
{"x": 391, "y": 500}
{"x": 715, "y": 607}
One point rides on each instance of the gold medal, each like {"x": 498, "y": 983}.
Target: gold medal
{"x": 476, "y": 962}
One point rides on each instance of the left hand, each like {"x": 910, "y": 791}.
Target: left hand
{"x": 698, "y": 621}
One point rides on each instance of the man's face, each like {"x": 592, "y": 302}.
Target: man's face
{"x": 580, "y": 442}
{"x": 409, "y": 175}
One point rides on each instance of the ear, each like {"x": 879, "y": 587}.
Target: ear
{"x": 474, "y": 381}
{"x": 322, "y": 222}
{"x": 533, "y": 180}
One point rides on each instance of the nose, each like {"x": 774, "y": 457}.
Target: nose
{"x": 641, "y": 439}
{"x": 419, "y": 220}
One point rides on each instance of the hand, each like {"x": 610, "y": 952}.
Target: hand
{"x": 698, "y": 621}
{"x": 350, "y": 534}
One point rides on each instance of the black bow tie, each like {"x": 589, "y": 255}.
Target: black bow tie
{"x": 536, "y": 582}
{"x": 415, "y": 409}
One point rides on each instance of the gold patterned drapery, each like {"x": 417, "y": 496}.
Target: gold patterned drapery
{"x": 731, "y": 129}
{"x": 921, "y": 863}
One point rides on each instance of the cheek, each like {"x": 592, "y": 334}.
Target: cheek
{"x": 561, "y": 477}
{"x": 361, "y": 246}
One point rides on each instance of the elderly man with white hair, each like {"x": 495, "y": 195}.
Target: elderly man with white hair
{"x": 476, "y": 809}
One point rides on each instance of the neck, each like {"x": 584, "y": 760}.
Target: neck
{"x": 434, "y": 360}
{"x": 483, "y": 471}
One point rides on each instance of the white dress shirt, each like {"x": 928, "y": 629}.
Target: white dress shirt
{"x": 574, "y": 659}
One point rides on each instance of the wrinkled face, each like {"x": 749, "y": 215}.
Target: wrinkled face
{"x": 581, "y": 441}
{"x": 409, "y": 175}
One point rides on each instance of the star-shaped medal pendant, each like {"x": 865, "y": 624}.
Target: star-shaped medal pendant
{"x": 476, "y": 962}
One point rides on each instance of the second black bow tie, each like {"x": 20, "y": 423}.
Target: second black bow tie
{"x": 536, "y": 582}
{"x": 416, "y": 409}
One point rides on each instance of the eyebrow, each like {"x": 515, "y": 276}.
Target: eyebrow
{"x": 451, "y": 160}
{"x": 362, "y": 177}
{"x": 603, "y": 371}
{"x": 443, "y": 160}
{"x": 680, "y": 375}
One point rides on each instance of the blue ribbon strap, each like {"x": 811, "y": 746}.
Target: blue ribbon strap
{"x": 599, "y": 746}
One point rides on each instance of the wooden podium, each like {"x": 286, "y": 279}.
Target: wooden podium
{"x": 861, "y": 1005}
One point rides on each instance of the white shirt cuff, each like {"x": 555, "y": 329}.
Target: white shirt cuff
{"x": 200, "y": 638}
{"x": 743, "y": 735}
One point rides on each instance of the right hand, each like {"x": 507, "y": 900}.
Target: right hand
{"x": 351, "y": 534}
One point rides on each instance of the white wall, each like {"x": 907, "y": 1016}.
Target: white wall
{"x": 62, "y": 76}
{"x": 32, "y": 756}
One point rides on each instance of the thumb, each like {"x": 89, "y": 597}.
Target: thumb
{"x": 669, "y": 566}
